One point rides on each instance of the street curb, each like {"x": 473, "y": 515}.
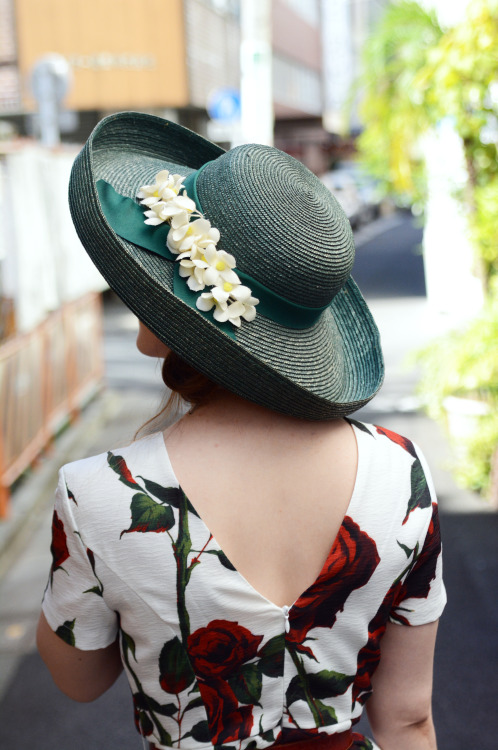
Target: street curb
{"x": 35, "y": 492}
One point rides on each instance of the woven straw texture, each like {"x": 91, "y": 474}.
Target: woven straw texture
{"x": 284, "y": 229}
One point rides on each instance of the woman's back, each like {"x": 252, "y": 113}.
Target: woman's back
{"x": 272, "y": 489}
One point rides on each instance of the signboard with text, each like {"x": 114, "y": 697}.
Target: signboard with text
{"x": 123, "y": 54}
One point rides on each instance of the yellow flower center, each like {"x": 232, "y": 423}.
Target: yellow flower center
{"x": 220, "y": 266}
{"x": 227, "y": 287}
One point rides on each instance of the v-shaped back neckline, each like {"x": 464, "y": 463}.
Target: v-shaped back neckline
{"x": 241, "y": 577}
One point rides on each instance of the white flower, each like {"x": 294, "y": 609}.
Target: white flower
{"x": 213, "y": 268}
{"x": 195, "y": 237}
{"x": 193, "y": 271}
{"x": 216, "y": 298}
{"x": 242, "y": 306}
{"x": 166, "y": 187}
{"x": 194, "y": 242}
{"x": 161, "y": 211}
{"x": 220, "y": 267}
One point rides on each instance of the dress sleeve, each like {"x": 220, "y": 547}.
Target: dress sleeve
{"x": 73, "y": 602}
{"x": 420, "y": 595}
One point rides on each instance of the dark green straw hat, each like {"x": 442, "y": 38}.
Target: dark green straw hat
{"x": 313, "y": 349}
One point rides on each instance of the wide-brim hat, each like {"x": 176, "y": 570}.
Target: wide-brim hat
{"x": 313, "y": 349}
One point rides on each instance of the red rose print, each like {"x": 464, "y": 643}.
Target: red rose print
{"x": 417, "y": 584}
{"x": 369, "y": 655}
{"x": 58, "y": 548}
{"x": 123, "y": 469}
{"x": 220, "y": 648}
{"x": 287, "y": 735}
{"x": 118, "y": 464}
{"x": 227, "y": 721}
{"x": 399, "y": 439}
{"x": 349, "y": 566}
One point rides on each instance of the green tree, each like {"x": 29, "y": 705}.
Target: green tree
{"x": 416, "y": 75}
{"x": 391, "y": 107}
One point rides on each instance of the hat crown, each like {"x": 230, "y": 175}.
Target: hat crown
{"x": 284, "y": 227}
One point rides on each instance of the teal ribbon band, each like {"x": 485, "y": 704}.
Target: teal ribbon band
{"x": 126, "y": 218}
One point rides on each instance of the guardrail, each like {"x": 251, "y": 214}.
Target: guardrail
{"x": 46, "y": 375}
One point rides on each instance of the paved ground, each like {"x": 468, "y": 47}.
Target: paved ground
{"x": 35, "y": 716}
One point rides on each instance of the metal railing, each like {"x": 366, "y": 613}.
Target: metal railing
{"x": 46, "y": 375}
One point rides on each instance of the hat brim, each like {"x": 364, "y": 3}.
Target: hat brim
{"x": 326, "y": 371}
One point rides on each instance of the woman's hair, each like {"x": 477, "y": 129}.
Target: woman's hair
{"x": 188, "y": 388}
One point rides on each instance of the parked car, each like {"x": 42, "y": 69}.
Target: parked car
{"x": 356, "y": 191}
{"x": 342, "y": 185}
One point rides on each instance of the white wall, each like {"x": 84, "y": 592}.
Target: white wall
{"x": 42, "y": 262}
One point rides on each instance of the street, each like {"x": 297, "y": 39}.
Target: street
{"x": 389, "y": 270}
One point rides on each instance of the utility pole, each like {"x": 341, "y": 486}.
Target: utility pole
{"x": 256, "y": 72}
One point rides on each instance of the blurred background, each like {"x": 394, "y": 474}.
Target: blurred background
{"x": 394, "y": 105}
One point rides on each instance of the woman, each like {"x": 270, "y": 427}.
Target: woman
{"x": 265, "y": 565}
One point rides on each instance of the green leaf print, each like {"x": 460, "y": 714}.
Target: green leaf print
{"x": 272, "y": 656}
{"x": 295, "y": 691}
{"x": 327, "y": 684}
{"x": 359, "y": 426}
{"x": 175, "y": 671}
{"x": 170, "y": 495}
{"x": 221, "y": 557}
{"x": 146, "y": 703}
{"x": 65, "y": 632}
{"x": 181, "y": 550}
{"x": 326, "y": 713}
{"x": 166, "y": 709}
{"x": 405, "y": 549}
{"x": 147, "y": 515}
{"x": 99, "y": 590}
{"x": 420, "y": 497}
{"x": 94, "y": 590}
{"x": 146, "y": 725}
{"x": 118, "y": 464}
{"x": 127, "y": 644}
{"x": 196, "y": 703}
{"x": 142, "y": 701}
{"x": 267, "y": 736}
{"x": 247, "y": 684}
{"x": 200, "y": 732}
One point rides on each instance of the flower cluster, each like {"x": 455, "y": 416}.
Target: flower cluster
{"x": 193, "y": 240}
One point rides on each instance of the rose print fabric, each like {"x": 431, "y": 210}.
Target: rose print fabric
{"x": 210, "y": 661}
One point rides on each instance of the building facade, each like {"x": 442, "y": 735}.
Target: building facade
{"x": 159, "y": 57}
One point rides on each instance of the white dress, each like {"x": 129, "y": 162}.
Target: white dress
{"x": 210, "y": 661}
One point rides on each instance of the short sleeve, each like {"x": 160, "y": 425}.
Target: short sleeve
{"x": 420, "y": 597}
{"x": 73, "y": 602}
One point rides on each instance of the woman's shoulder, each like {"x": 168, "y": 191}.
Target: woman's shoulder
{"x": 114, "y": 464}
{"x": 394, "y": 475}
{"x": 386, "y": 440}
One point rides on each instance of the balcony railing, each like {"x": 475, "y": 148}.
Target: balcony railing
{"x": 46, "y": 376}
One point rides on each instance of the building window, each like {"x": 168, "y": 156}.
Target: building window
{"x": 309, "y": 10}
{"x": 296, "y": 86}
